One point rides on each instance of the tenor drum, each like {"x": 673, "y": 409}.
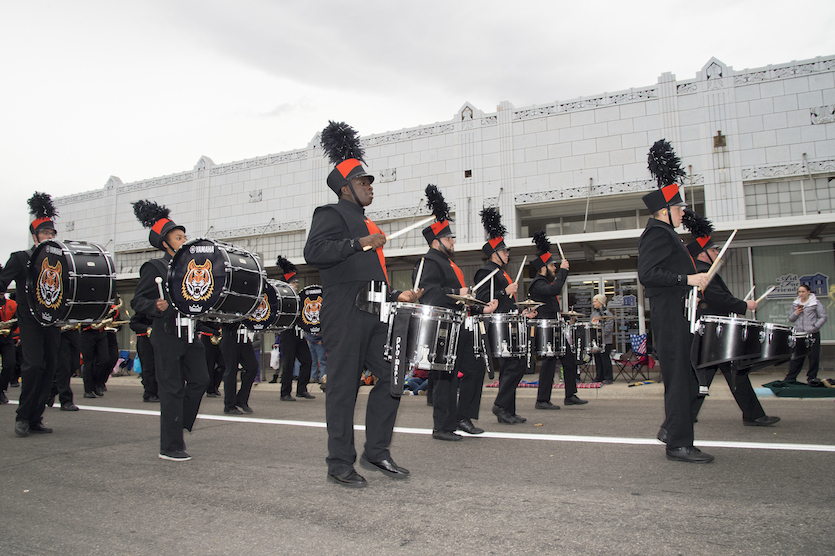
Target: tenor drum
{"x": 277, "y": 310}
{"x": 70, "y": 282}
{"x": 547, "y": 337}
{"x": 506, "y": 335}
{"x": 802, "y": 344}
{"x": 212, "y": 280}
{"x": 728, "y": 339}
{"x": 432, "y": 336}
{"x": 587, "y": 337}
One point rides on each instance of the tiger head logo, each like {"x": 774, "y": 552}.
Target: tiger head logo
{"x": 312, "y": 306}
{"x": 262, "y": 312}
{"x": 198, "y": 283}
{"x": 49, "y": 290}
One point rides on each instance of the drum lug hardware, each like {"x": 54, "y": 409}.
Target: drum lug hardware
{"x": 700, "y": 328}
{"x": 719, "y": 330}
{"x": 744, "y": 333}
{"x": 424, "y": 358}
{"x": 505, "y": 352}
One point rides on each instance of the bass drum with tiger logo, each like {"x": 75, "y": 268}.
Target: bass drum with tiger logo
{"x": 208, "y": 279}
{"x": 278, "y": 309}
{"x": 311, "y": 301}
{"x": 70, "y": 282}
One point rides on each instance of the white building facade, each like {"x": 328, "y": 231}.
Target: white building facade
{"x": 758, "y": 146}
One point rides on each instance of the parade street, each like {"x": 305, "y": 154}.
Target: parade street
{"x": 583, "y": 480}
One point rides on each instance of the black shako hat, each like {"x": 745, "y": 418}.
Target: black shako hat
{"x": 543, "y": 246}
{"x": 665, "y": 167}
{"x": 288, "y": 269}
{"x": 440, "y": 228}
{"x": 41, "y": 207}
{"x": 492, "y": 221}
{"x": 701, "y": 229}
{"x": 341, "y": 145}
{"x": 155, "y": 217}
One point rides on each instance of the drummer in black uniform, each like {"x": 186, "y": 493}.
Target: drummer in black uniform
{"x": 180, "y": 360}
{"x": 440, "y": 277}
{"x": 293, "y": 346}
{"x": 141, "y": 326}
{"x": 717, "y": 300}
{"x": 40, "y": 344}
{"x": 503, "y": 289}
{"x": 667, "y": 272}
{"x": 346, "y": 247}
{"x": 545, "y": 288}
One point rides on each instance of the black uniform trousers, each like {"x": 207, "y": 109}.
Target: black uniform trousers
{"x": 672, "y": 341}
{"x": 292, "y": 348}
{"x": 234, "y": 353}
{"x": 96, "y": 354}
{"x": 744, "y": 393}
{"x": 7, "y": 354}
{"x": 67, "y": 363}
{"x": 40, "y": 356}
{"x": 214, "y": 363}
{"x": 548, "y": 372}
{"x": 603, "y": 364}
{"x": 355, "y": 341}
{"x": 112, "y": 357}
{"x": 181, "y": 380}
{"x": 814, "y": 356}
{"x": 511, "y": 374}
{"x": 145, "y": 351}
{"x": 444, "y": 401}
{"x": 471, "y": 384}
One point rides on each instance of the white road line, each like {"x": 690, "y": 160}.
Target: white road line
{"x": 502, "y": 435}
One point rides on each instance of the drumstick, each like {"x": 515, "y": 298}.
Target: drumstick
{"x": 560, "y": 248}
{"x": 768, "y": 291}
{"x": 749, "y": 294}
{"x": 158, "y": 280}
{"x": 483, "y": 281}
{"x": 714, "y": 267}
{"x": 519, "y": 274}
{"x": 492, "y": 290}
{"x": 405, "y": 230}
{"x": 419, "y": 272}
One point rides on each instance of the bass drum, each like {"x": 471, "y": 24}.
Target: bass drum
{"x": 208, "y": 279}
{"x": 311, "y": 307}
{"x": 277, "y": 310}
{"x": 70, "y": 282}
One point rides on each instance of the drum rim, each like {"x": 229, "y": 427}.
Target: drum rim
{"x": 725, "y": 320}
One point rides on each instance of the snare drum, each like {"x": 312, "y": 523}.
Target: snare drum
{"x": 432, "y": 336}
{"x": 728, "y": 339}
{"x": 214, "y": 280}
{"x": 277, "y": 310}
{"x": 547, "y": 337}
{"x": 506, "y": 335}
{"x": 587, "y": 337}
{"x": 70, "y": 282}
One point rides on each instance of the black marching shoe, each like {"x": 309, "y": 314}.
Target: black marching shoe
{"x": 545, "y": 405}
{"x": 99, "y": 391}
{"x": 89, "y": 395}
{"x": 21, "y": 428}
{"x": 689, "y": 454}
{"x": 245, "y": 408}
{"x": 467, "y": 426}
{"x": 233, "y": 411}
{"x": 306, "y": 395}
{"x": 445, "y": 435}
{"x": 288, "y": 398}
{"x": 3, "y": 398}
{"x": 386, "y": 467}
{"x": 662, "y": 435}
{"x": 210, "y": 394}
{"x": 504, "y": 416}
{"x": 518, "y": 418}
{"x": 574, "y": 400}
{"x": 50, "y": 401}
{"x": 274, "y": 380}
{"x": 179, "y": 455}
{"x": 69, "y": 407}
{"x": 39, "y": 428}
{"x": 151, "y": 399}
{"x": 764, "y": 421}
{"x": 349, "y": 479}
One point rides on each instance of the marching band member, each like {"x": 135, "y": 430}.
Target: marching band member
{"x": 8, "y": 311}
{"x": 68, "y": 362}
{"x": 441, "y": 276}
{"x": 717, "y": 300}
{"x": 667, "y": 272}
{"x": 346, "y": 247}
{"x": 504, "y": 289}
{"x": 141, "y": 325}
{"x": 545, "y": 288}
{"x": 236, "y": 347}
{"x": 96, "y": 353}
{"x": 210, "y": 337}
{"x": 180, "y": 360}
{"x": 40, "y": 344}
{"x": 293, "y": 346}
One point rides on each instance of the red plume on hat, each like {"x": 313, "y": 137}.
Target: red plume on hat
{"x": 41, "y": 207}
{"x": 341, "y": 144}
{"x": 492, "y": 221}
{"x": 436, "y": 203}
{"x": 665, "y": 167}
{"x": 287, "y": 268}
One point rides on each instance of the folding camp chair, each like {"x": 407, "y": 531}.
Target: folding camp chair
{"x": 637, "y": 363}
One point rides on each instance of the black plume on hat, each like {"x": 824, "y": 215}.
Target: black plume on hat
{"x": 436, "y": 203}
{"x": 285, "y": 265}
{"x": 148, "y": 212}
{"x": 341, "y": 142}
{"x": 663, "y": 163}
{"x": 40, "y": 205}
{"x": 697, "y": 225}
{"x": 492, "y": 221}
{"x": 543, "y": 246}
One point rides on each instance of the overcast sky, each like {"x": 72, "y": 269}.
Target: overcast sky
{"x": 142, "y": 88}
